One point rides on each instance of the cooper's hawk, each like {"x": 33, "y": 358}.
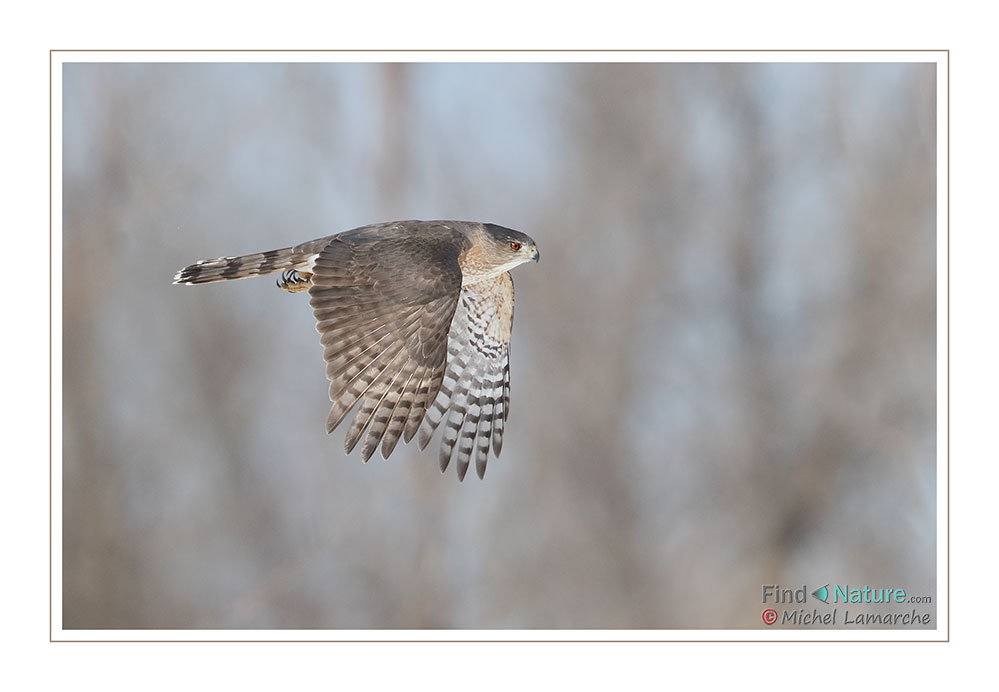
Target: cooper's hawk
{"x": 415, "y": 320}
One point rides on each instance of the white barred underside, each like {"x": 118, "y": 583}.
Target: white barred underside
{"x": 474, "y": 398}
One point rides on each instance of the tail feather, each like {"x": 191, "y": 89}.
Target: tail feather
{"x": 224, "y": 268}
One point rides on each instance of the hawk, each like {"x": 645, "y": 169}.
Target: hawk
{"x": 415, "y": 319}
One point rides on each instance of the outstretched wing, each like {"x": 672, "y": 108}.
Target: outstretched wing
{"x": 475, "y": 394}
{"x": 383, "y": 307}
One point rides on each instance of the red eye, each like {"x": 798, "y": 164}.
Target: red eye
{"x": 514, "y": 246}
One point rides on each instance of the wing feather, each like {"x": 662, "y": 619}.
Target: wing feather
{"x": 383, "y": 306}
{"x": 473, "y": 399}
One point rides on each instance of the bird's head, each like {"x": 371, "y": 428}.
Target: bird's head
{"x": 507, "y": 247}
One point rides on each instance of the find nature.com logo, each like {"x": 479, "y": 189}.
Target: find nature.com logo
{"x": 792, "y": 611}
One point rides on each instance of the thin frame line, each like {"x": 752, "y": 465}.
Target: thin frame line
{"x": 53, "y": 51}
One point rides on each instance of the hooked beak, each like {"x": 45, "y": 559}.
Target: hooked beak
{"x": 536, "y": 256}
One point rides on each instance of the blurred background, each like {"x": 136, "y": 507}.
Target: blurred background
{"x": 724, "y": 366}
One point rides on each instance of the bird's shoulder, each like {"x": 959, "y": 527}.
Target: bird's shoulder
{"x": 418, "y": 256}
{"x": 452, "y": 236}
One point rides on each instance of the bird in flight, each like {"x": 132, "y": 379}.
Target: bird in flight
{"x": 415, "y": 320}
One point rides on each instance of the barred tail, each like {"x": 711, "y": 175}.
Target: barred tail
{"x": 224, "y": 268}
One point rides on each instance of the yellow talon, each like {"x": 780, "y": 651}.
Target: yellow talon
{"x": 295, "y": 281}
